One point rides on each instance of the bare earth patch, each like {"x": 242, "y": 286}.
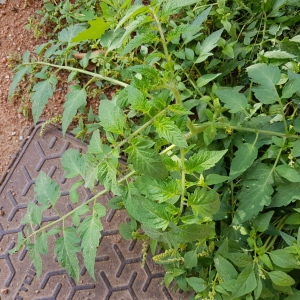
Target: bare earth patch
{"x": 14, "y": 41}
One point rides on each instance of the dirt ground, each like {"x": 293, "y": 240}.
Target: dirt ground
{"x": 14, "y": 41}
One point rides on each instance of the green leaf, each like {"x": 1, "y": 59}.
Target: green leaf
{"x": 193, "y": 232}
{"x": 74, "y": 100}
{"x": 266, "y": 76}
{"x": 90, "y": 172}
{"x": 42, "y": 91}
{"x": 73, "y": 163}
{"x": 107, "y": 173}
{"x": 179, "y": 109}
{"x": 205, "y": 79}
{"x": 280, "y": 278}
{"x": 283, "y": 259}
{"x": 46, "y": 190}
{"x": 245, "y": 283}
{"x": 33, "y": 215}
{"x": 262, "y": 221}
{"x": 241, "y": 260}
{"x": 204, "y": 203}
{"x": 73, "y": 194}
{"x": 94, "y": 32}
{"x": 198, "y": 284}
{"x": 67, "y": 34}
{"x": 137, "y": 100}
{"x": 172, "y": 6}
{"x": 203, "y": 160}
{"x": 256, "y": 193}
{"x": 137, "y": 41}
{"x": 145, "y": 159}
{"x": 111, "y": 117}
{"x": 286, "y": 194}
{"x": 243, "y": 159}
{"x": 66, "y": 248}
{"x": 291, "y": 87}
{"x": 90, "y": 233}
{"x": 208, "y": 44}
{"x": 278, "y": 54}
{"x": 224, "y": 268}
{"x": 18, "y": 76}
{"x": 150, "y": 75}
{"x": 148, "y": 212}
{"x": 288, "y": 173}
{"x": 167, "y": 129}
{"x": 266, "y": 261}
{"x": 131, "y": 13}
{"x": 190, "y": 259}
{"x": 158, "y": 190}
{"x": 96, "y": 146}
{"x": 234, "y": 101}
{"x": 169, "y": 238}
{"x": 35, "y": 257}
{"x": 125, "y": 231}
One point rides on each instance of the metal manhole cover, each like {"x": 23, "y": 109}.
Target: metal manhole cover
{"x": 118, "y": 263}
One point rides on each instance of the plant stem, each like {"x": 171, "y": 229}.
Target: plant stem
{"x": 113, "y": 81}
{"x": 182, "y": 154}
{"x": 61, "y": 219}
{"x": 162, "y": 37}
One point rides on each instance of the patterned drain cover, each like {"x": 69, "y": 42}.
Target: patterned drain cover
{"x": 118, "y": 263}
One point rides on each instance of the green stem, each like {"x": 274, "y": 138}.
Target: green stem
{"x": 113, "y": 81}
{"x": 162, "y": 37}
{"x": 274, "y": 238}
{"x": 200, "y": 128}
{"x": 182, "y": 154}
{"x": 283, "y": 116}
{"x": 62, "y": 219}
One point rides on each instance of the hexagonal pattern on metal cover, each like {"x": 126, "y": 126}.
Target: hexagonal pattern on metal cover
{"x": 118, "y": 270}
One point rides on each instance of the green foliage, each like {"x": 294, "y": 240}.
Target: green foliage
{"x": 205, "y": 110}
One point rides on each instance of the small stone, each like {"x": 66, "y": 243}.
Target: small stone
{"x": 1, "y": 212}
{"x": 13, "y": 133}
{"x": 4, "y": 291}
{"x": 20, "y": 138}
{"x": 4, "y": 60}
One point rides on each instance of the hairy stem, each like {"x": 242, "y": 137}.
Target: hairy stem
{"x": 102, "y": 77}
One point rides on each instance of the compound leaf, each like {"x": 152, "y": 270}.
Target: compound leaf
{"x": 90, "y": 233}
{"x": 203, "y": 160}
{"x": 75, "y": 99}
{"x": 35, "y": 257}
{"x": 66, "y": 248}
{"x": 46, "y": 190}
{"x": 145, "y": 159}
{"x": 111, "y": 117}
{"x": 266, "y": 76}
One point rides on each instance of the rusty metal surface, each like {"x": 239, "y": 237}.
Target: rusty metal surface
{"x": 118, "y": 263}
